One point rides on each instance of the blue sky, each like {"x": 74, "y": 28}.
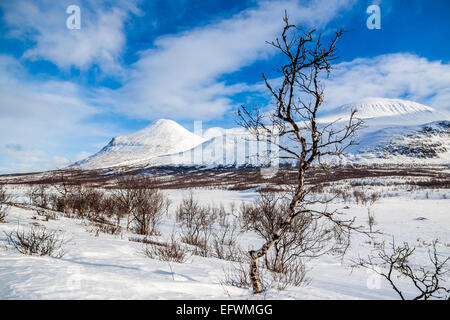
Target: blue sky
{"x": 66, "y": 93}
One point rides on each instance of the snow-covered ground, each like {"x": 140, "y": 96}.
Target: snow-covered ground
{"x": 112, "y": 267}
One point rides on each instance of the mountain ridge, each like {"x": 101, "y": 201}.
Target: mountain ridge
{"x": 165, "y": 142}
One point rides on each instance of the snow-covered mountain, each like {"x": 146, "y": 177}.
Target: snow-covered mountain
{"x": 396, "y": 131}
{"x": 159, "y": 138}
{"x": 381, "y": 107}
{"x": 401, "y": 144}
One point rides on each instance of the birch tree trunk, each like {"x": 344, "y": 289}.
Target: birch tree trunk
{"x": 256, "y": 254}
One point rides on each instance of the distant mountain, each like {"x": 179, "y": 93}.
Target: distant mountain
{"x": 380, "y": 107}
{"x": 409, "y": 144}
{"x": 396, "y": 131}
{"x": 159, "y": 138}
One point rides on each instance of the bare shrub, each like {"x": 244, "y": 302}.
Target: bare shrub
{"x": 149, "y": 208}
{"x": 99, "y": 219}
{"x": 110, "y": 208}
{"x": 75, "y": 197}
{"x": 262, "y": 215}
{"x": 225, "y": 243}
{"x": 187, "y": 210}
{"x": 95, "y": 203}
{"x": 293, "y": 275}
{"x": 365, "y": 198}
{"x": 222, "y": 215}
{"x": 125, "y": 196}
{"x": 237, "y": 276}
{"x": 142, "y": 203}
{"x": 47, "y": 214}
{"x": 359, "y": 196}
{"x": 341, "y": 192}
{"x": 65, "y": 190}
{"x": 196, "y": 222}
{"x": 85, "y": 201}
{"x": 108, "y": 228}
{"x": 37, "y": 240}
{"x": 56, "y": 202}
{"x": 79, "y": 200}
{"x": 39, "y": 197}
{"x": 5, "y": 200}
{"x": 394, "y": 263}
{"x": 304, "y": 238}
{"x": 201, "y": 250}
{"x": 171, "y": 252}
{"x": 371, "y": 220}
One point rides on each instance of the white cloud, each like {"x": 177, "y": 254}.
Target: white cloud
{"x": 391, "y": 76}
{"x": 180, "y": 77}
{"x": 100, "y": 40}
{"x": 40, "y": 120}
{"x": 32, "y": 160}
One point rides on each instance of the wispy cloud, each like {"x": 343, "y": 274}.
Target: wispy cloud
{"x": 180, "y": 77}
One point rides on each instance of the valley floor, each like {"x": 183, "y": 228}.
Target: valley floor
{"x": 103, "y": 266}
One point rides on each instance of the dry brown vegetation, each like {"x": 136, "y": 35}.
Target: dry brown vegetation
{"x": 243, "y": 178}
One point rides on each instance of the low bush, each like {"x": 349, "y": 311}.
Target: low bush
{"x": 5, "y": 199}
{"x": 37, "y": 240}
{"x": 171, "y": 252}
{"x": 196, "y": 222}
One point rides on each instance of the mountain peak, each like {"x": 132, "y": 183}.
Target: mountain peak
{"x": 163, "y": 129}
{"x": 376, "y": 107}
{"x": 379, "y": 107}
{"x": 165, "y": 122}
{"x": 161, "y": 137}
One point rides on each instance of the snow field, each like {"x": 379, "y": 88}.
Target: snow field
{"x": 112, "y": 267}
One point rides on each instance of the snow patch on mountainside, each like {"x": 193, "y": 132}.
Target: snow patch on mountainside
{"x": 423, "y": 144}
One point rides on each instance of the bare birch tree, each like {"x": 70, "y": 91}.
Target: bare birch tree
{"x": 297, "y": 101}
